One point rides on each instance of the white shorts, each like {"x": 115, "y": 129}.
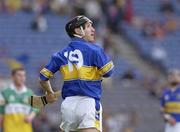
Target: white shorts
{"x": 170, "y": 128}
{"x": 80, "y": 112}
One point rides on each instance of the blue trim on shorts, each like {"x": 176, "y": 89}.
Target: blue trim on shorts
{"x": 97, "y": 107}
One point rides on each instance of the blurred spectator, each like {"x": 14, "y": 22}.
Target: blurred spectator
{"x": 115, "y": 16}
{"x": 166, "y": 6}
{"x": 121, "y": 122}
{"x": 15, "y": 113}
{"x": 110, "y": 41}
{"x": 77, "y": 7}
{"x": 40, "y": 6}
{"x": 158, "y": 32}
{"x": 147, "y": 28}
{"x": 13, "y": 5}
{"x": 138, "y": 22}
{"x": 60, "y": 6}
{"x": 2, "y": 6}
{"x": 171, "y": 24}
{"x": 93, "y": 11}
{"x": 39, "y": 24}
{"x": 27, "y": 5}
{"x": 154, "y": 29}
{"x": 129, "y": 74}
{"x": 159, "y": 54}
{"x": 128, "y": 11}
{"x": 104, "y": 6}
{"x": 116, "y": 122}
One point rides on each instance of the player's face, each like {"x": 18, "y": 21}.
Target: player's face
{"x": 174, "y": 78}
{"x": 89, "y": 32}
{"x": 19, "y": 78}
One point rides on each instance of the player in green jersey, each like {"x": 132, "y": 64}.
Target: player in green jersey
{"x": 16, "y": 113}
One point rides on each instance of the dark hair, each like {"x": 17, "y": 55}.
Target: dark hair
{"x": 75, "y": 23}
{"x": 14, "y": 71}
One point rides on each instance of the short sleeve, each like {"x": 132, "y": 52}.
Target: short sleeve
{"x": 103, "y": 62}
{"x": 51, "y": 68}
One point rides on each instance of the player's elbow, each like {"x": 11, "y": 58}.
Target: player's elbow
{"x": 43, "y": 78}
{"x": 42, "y": 81}
{"x": 108, "y": 74}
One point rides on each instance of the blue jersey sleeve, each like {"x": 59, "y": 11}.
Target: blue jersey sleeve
{"x": 52, "y": 67}
{"x": 162, "y": 101}
{"x": 104, "y": 63}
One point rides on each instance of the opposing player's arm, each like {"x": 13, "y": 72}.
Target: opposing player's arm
{"x": 104, "y": 63}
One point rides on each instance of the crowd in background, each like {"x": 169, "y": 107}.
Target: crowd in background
{"x": 107, "y": 16}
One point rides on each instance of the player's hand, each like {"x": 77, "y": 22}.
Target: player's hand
{"x": 29, "y": 118}
{"x": 172, "y": 121}
{"x": 51, "y": 97}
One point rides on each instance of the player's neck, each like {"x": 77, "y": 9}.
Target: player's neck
{"x": 19, "y": 87}
{"x": 173, "y": 88}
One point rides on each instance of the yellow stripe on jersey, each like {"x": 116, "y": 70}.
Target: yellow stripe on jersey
{"x": 84, "y": 73}
{"x": 172, "y": 107}
{"x": 46, "y": 73}
{"x": 106, "y": 68}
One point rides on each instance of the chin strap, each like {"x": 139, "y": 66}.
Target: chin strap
{"x": 82, "y": 33}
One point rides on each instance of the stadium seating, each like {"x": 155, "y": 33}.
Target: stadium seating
{"x": 19, "y": 40}
{"x": 150, "y": 9}
{"x": 35, "y": 49}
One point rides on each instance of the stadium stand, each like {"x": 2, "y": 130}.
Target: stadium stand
{"x": 20, "y": 44}
{"x": 150, "y": 10}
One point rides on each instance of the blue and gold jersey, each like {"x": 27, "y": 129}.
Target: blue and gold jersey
{"x": 82, "y": 66}
{"x": 170, "y": 102}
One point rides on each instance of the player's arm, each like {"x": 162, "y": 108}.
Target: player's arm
{"x": 104, "y": 63}
{"x": 46, "y": 85}
{"x": 2, "y": 105}
{"x": 167, "y": 117}
{"x": 46, "y": 73}
{"x": 29, "y": 118}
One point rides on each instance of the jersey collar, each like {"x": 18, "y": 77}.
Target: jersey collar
{"x": 78, "y": 39}
{"x": 24, "y": 89}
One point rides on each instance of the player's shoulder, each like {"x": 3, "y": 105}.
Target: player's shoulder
{"x": 7, "y": 90}
{"x": 29, "y": 91}
{"x": 58, "y": 55}
{"x": 166, "y": 91}
{"x": 94, "y": 47}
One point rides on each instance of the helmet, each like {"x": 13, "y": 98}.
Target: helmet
{"x": 75, "y": 23}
